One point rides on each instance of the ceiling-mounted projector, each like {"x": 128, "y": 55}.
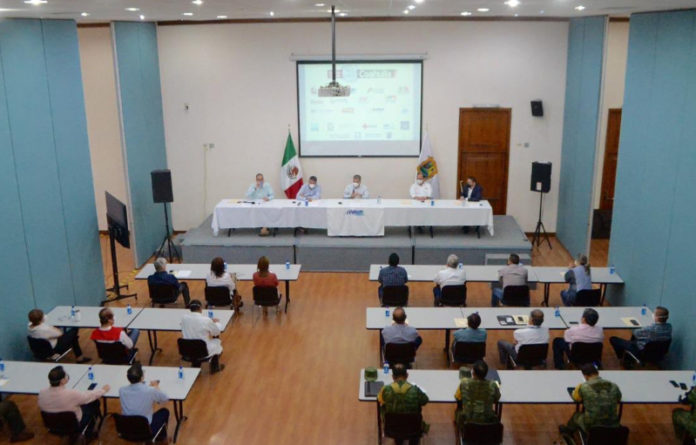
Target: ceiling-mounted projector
{"x": 334, "y": 89}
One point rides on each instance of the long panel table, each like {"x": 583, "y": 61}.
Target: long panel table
{"x": 31, "y": 377}
{"x": 89, "y": 316}
{"x": 238, "y": 213}
{"x": 164, "y": 319}
{"x": 245, "y": 272}
{"x": 600, "y": 275}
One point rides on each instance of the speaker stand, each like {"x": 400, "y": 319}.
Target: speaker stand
{"x": 116, "y": 289}
{"x": 540, "y": 229}
{"x": 167, "y": 241}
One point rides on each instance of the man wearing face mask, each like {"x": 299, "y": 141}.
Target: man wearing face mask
{"x": 260, "y": 190}
{"x": 310, "y": 191}
{"x": 472, "y": 191}
{"x": 421, "y": 190}
{"x": 356, "y": 190}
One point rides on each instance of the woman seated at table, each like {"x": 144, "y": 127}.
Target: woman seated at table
{"x": 264, "y": 278}
{"x": 219, "y": 277}
{"x": 579, "y": 278}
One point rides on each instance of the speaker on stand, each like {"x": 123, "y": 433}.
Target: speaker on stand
{"x": 541, "y": 183}
{"x": 162, "y": 193}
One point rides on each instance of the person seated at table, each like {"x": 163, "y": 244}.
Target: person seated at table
{"x": 356, "y": 190}
{"x": 196, "y": 326}
{"x": 420, "y": 190}
{"x": 514, "y": 274}
{"x": 310, "y": 191}
{"x": 449, "y": 276}
{"x": 108, "y": 333}
{"x": 263, "y": 278}
{"x": 392, "y": 275}
{"x": 59, "y": 340}
{"x": 476, "y": 397}
{"x": 219, "y": 277}
{"x": 659, "y": 330}
{"x": 472, "y": 333}
{"x": 162, "y": 277}
{"x": 57, "y": 398}
{"x": 402, "y": 397}
{"x": 586, "y": 332}
{"x": 579, "y": 278}
{"x": 138, "y": 398}
{"x": 9, "y": 413}
{"x": 400, "y": 332}
{"x": 601, "y": 400}
{"x": 683, "y": 420}
{"x": 260, "y": 190}
{"x": 471, "y": 191}
{"x": 534, "y": 334}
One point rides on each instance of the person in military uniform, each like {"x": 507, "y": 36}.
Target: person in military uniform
{"x": 684, "y": 421}
{"x": 476, "y": 397}
{"x": 402, "y": 397}
{"x": 601, "y": 400}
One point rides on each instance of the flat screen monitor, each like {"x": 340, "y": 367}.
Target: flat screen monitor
{"x": 117, "y": 219}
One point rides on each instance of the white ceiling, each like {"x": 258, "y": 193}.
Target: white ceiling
{"x": 159, "y": 10}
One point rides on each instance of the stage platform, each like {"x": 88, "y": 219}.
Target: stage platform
{"x": 318, "y": 252}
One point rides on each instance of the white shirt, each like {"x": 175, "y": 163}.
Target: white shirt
{"x": 225, "y": 280}
{"x": 531, "y": 335}
{"x": 195, "y": 325}
{"x": 421, "y": 191}
{"x": 450, "y": 276}
{"x": 361, "y": 189}
{"x": 46, "y": 332}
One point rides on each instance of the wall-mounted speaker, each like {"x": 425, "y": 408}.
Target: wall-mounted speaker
{"x": 537, "y": 108}
{"x": 162, "y": 186}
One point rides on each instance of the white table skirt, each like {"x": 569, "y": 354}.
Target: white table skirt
{"x": 232, "y": 213}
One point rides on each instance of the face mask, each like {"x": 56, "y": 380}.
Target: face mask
{"x": 420, "y": 182}
{"x": 311, "y": 186}
{"x": 356, "y": 184}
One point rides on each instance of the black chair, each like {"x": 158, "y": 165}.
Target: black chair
{"x": 605, "y": 435}
{"x": 135, "y": 428}
{"x": 193, "y": 351}
{"x": 162, "y": 294}
{"x": 453, "y": 296}
{"x": 481, "y": 434}
{"x": 588, "y": 297}
{"x": 516, "y": 296}
{"x": 582, "y": 353}
{"x": 403, "y": 426}
{"x": 65, "y": 424}
{"x": 218, "y": 296}
{"x": 653, "y": 352}
{"x": 468, "y": 352}
{"x": 115, "y": 353}
{"x": 395, "y": 296}
{"x": 404, "y": 353}
{"x": 530, "y": 356}
{"x": 266, "y": 297}
{"x": 43, "y": 351}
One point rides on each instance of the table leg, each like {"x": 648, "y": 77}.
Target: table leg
{"x": 179, "y": 415}
{"x": 103, "y": 414}
{"x": 447, "y": 339}
{"x": 152, "y": 340}
{"x": 603, "y": 288}
{"x": 287, "y": 295}
{"x": 379, "y": 426}
{"x": 547, "y": 292}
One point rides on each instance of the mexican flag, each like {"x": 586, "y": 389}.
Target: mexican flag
{"x": 290, "y": 170}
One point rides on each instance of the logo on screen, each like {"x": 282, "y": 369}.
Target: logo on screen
{"x": 355, "y": 212}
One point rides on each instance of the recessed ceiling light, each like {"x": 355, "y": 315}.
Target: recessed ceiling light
{"x": 271, "y": 13}
{"x": 133, "y": 9}
{"x": 411, "y": 7}
{"x": 187, "y": 14}
{"x": 319, "y": 5}
{"x": 197, "y": 2}
{"x": 406, "y": 11}
{"x": 542, "y": 11}
{"x": 343, "y": 14}
{"x": 336, "y": 11}
{"x": 483, "y": 9}
{"x": 513, "y": 3}
{"x": 35, "y": 2}
{"x": 222, "y": 16}
{"x": 465, "y": 13}
{"x": 84, "y": 14}
{"x": 419, "y": 1}
{"x": 142, "y": 17}
{"x": 579, "y": 8}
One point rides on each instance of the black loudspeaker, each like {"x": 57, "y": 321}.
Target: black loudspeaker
{"x": 162, "y": 186}
{"x": 541, "y": 177}
{"x": 537, "y": 108}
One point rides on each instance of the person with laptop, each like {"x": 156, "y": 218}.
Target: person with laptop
{"x": 138, "y": 398}
{"x": 60, "y": 341}
{"x": 449, "y": 276}
{"x": 533, "y": 334}
{"x": 402, "y": 397}
{"x": 476, "y": 397}
{"x": 586, "y": 332}
{"x": 514, "y": 274}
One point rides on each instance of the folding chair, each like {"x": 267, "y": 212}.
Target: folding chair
{"x": 43, "y": 351}
{"x": 530, "y": 356}
{"x": 162, "y": 294}
{"x": 605, "y": 435}
{"x": 65, "y": 424}
{"x": 193, "y": 351}
{"x": 467, "y": 352}
{"x": 115, "y": 353}
{"x": 582, "y": 353}
{"x": 403, "y": 426}
{"x": 516, "y": 296}
{"x": 266, "y": 297}
{"x": 394, "y": 296}
{"x": 653, "y": 352}
{"x": 454, "y": 296}
{"x": 404, "y": 353}
{"x": 588, "y": 298}
{"x": 218, "y": 296}
{"x": 135, "y": 429}
{"x": 481, "y": 434}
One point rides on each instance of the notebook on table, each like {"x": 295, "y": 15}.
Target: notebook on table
{"x": 372, "y": 388}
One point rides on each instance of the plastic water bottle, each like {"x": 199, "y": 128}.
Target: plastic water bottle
{"x": 129, "y": 309}
{"x": 644, "y": 310}
{"x": 180, "y": 374}
{"x": 432, "y": 203}
{"x": 379, "y": 199}
{"x": 460, "y": 266}
{"x": 387, "y": 314}
{"x": 306, "y": 203}
{"x": 210, "y": 312}
{"x": 2, "y": 368}
{"x": 90, "y": 374}
{"x": 386, "y": 368}
{"x": 72, "y": 312}
{"x": 557, "y": 312}
{"x": 287, "y": 265}
{"x": 612, "y": 270}
{"x": 225, "y": 267}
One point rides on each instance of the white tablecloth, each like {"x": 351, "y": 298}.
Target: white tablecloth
{"x": 232, "y": 213}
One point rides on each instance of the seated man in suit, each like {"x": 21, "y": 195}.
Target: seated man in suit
{"x": 162, "y": 277}
{"x": 392, "y": 275}
{"x": 402, "y": 397}
{"x": 472, "y": 191}
{"x": 138, "y": 398}
{"x": 533, "y": 334}
{"x": 107, "y": 333}
{"x": 11, "y": 415}
{"x": 197, "y": 326}
{"x": 586, "y": 332}
{"x": 660, "y": 330}
{"x": 400, "y": 332}
{"x": 476, "y": 397}
{"x": 472, "y": 333}
{"x": 60, "y": 341}
{"x": 514, "y": 274}
{"x": 449, "y": 276}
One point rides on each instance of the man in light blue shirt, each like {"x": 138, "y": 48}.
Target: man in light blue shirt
{"x": 356, "y": 190}
{"x": 260, "y": 189}
{"x": 400, "y": 332}
{"x": 138, "y": 398}
{"x": 310, "y": 191}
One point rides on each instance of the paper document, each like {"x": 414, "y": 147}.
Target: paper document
{"x": 406, "y": 202}
{"x": 630, "y": 322}
{"x": 521, "y": 319}
{"x": 460, "y": 322}
{"x": 182, "y": 273}
{"x": 3, "y": 382}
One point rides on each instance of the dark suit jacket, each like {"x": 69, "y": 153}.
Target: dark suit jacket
{"x": 163, "y": 278}
{"x": 476, "y": 193}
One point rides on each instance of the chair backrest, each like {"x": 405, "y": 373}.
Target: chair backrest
{"x": 133, "y": 428}
{"x": 581, "y": 353}
{"x": 266, "y": 296}
{"x": 607, "y": 435}
{"x": 41, "y": 348}
{"x": 403, "y": 425}
{"x": 395, "y": 296}
{"x": 532, "y": 355}
{"x": 113, "y": 353}
{"x": 404, "y": 353}
{"x": 482, "y": 433}
{"x": 192, "y": 350}
{"x": 516, "y": 296}
{"x": 453, "y": 295}
{"x": 61, "y": 424}
{"x": 588, "y": 297}
{"x": 655, "y": 351}
{"x": 218, "y": 296}
{"x": 469, "y": 352}
{"x": 162, "y": 293}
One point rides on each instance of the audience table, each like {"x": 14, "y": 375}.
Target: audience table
{"x": 89, "y": 316}
{"x": 610, "y": 317}
{"x": 600, "y": 275}
{"x": 31, "y": 377}
{"x": 176, "y": 389}
{"x": 245, "y": 272}
{"x": 164, "y": 319}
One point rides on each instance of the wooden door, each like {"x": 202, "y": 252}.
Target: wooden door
{"x": 484, "y": 152}
{"x": 611, "y": 156}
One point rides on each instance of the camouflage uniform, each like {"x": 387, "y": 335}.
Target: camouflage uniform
{"x": 477, "y": 398}
{"x": 402, "y": 397}
{"x": 684, "y": 421}
{"x": 601, "y": 399}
